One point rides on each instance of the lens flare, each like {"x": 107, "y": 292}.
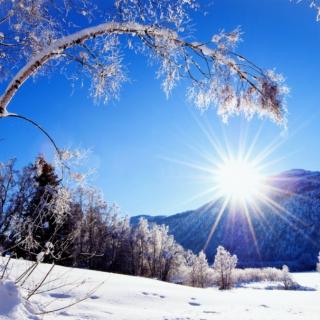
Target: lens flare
{"x": 237, "y": 179}
{"x": 240, "y": 180}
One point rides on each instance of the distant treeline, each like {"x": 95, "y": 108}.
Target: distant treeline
{"x": 46, "y": 219}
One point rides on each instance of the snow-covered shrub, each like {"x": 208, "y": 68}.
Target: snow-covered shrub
{"x": 224, "y": 265}
{"x": 281, "y": 277}
{"x": 248, "y": 275}
{"x": 286, "y": 278}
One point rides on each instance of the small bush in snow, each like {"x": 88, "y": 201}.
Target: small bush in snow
{"x": 224, "y": 265}
{"x": 286, "y": 278}
{"x": 248, "y": 275}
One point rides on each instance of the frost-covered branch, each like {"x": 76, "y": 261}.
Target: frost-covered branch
{"x": 60, "y": 46}
{"x": 314, "y": 4}
{"x": 45, "y": 35}
{"x": 259, "y": 92}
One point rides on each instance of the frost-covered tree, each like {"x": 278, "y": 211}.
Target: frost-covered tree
{"x": 36, "y": 222}
{"x": 117, "y": 251}
{"x": 8, "y": 183}
{"x": 154, "y": 253}
{"x": 43, "y": 35}
{"x": 40, "y": 222}
{"x": 224, "y": 265}
{"x": 203, "y": 270}
{"x": 167, "y": 252}
{"x": 35, "y": 211}
{"x": 139, "y": 247}
{"x": 199, "y": 271}
{"x": 92, "y": 237}
{"x": 318, "y": 263}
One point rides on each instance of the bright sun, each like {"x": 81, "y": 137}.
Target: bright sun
{"x": 239, "y": 180}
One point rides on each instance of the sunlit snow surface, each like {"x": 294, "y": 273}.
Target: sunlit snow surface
{"x": 124, "y": 297}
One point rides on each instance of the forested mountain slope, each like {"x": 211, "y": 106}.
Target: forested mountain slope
{"x": 285, "y": 230}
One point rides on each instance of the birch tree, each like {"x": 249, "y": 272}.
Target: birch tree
{"x": 43, "y": 36}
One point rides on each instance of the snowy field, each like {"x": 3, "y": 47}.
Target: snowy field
{"x": 119, "y": 297}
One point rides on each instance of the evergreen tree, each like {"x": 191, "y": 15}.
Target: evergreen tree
{"x": 38, "y": 224}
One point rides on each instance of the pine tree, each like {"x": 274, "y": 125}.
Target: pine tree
{"x": 38, "y": 224}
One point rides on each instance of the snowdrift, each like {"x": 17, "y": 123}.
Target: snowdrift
{"x": 120, "y": 297}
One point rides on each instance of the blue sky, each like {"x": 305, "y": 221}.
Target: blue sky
{"x": 133, "y": 138}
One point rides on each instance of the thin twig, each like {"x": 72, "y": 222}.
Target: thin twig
{"x": 87, "y": 296}
{"x": 27, "y": 273}
{"x": 38, "y": 286}
{"x": 14, "y": 115}
{"x": 5, "y": 268}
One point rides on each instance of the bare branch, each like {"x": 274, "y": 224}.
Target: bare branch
{"x": 13, "y": 115}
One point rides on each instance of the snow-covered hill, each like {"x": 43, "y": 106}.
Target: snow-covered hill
{"x": 120, "y": 297}
{"x": 287, "y": 228}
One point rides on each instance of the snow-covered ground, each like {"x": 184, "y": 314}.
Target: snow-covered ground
{"x": 120, "y": 297}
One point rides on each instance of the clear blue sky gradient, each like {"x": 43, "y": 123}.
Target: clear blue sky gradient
{"x": 132, "y": 138}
